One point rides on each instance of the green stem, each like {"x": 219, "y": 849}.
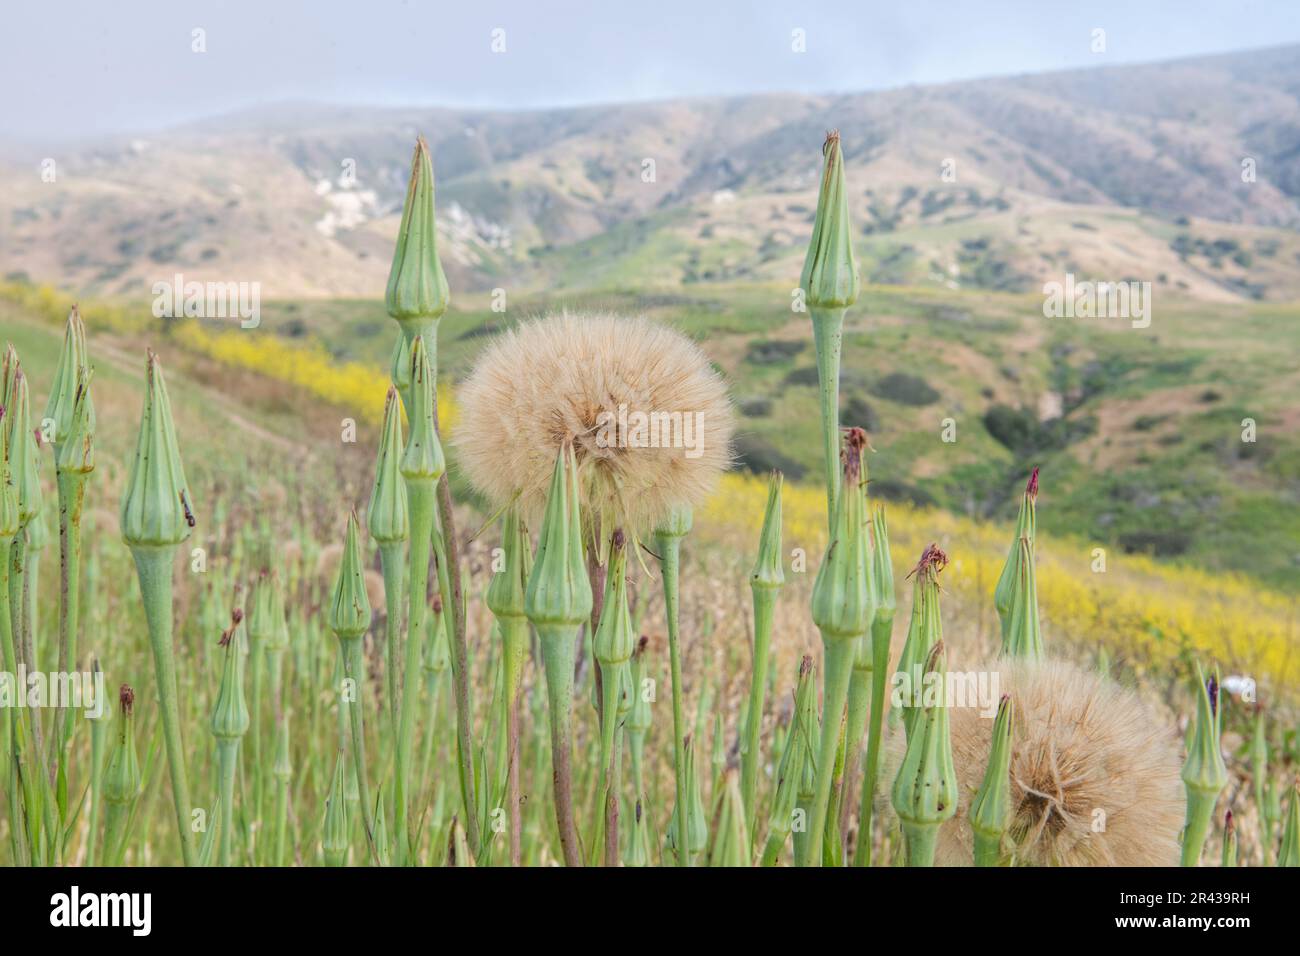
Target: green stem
{"x": 1200, "y": 812}
{"x": 558, "y": 652}
{"x": 988, "y": 849}
{"x": 751, "y": 758}
{"x": 420, "y": 494}
{"x": 608, "y": 763}
{"x": 514, "y": 631}
{"x": 828, "y": 328}
{"x": 390, "y": 559}
{"x": 352, "y": 666}
{"x": 881, "y": 629}
{"x": 920, "y": 839}
{"x": 227, "y": 761}
{"x": 839, "y": 669}
{"x": 670, "y": 548}
{"x": 114, "y": 833}
{"x": 97, "y": 731}
{"x": 72, "y": 494}
{"x": 8, "y": 737}
{"x": 855, "y": 728}
{"x": 154, "y": 567}
{"x": 449, "y": 558}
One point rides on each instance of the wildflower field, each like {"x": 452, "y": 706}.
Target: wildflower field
{"x": 390, "y": 602}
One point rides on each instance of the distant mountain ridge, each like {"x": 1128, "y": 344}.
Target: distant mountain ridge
{"x": 1115, "y": 172}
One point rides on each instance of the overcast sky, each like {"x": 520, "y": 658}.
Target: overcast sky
{"x": 86, "y": 67}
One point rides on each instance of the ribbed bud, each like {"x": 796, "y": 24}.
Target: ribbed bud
{"x": 388, "y": 518}
{"x": 422, "y": 458}
{"x": 559, "y": 590}
{"x": 417, "y": 287}
{"x": 830, "y": 271}
{"x": 349, "y": 610}
{"x": 156, "y": 505}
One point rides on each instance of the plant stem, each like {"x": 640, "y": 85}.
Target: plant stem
{"x": 72, "y": 493}
{"x": 1200, "y": 812}
{"x": 420, "y": 495}
{"x": 751, "y": 758}
{"x": 855, "y": 728}
{"x": 460, "y": 658}
{"x": 839, "y": 669}
{"x": 828, "y": 328}
{"x": 558, "y": 652}
{"x": 988, "y": 849}
{"x": 514, "y": 631}
{"x": 227, "y": 761}
{"x": 154, "y": 567}
{"x": 390, "y": 558}
{"x": 670, "y": 548}
{"x": 352, "y": 667}
{"x": 920, "y": 839}
{"x": 881, "y": 630}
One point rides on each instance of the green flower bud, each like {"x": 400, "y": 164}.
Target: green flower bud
{"x": 990, "y": 810}
{"x": 1021, "y": 632}
{"x": 731, "y": 840}
{"x": 842, "y": 606}
{"x": 509, "y": 586}
{"x": 924, "y": 794}
{"x": 156, "y": 506}
{"x": 1289, "y": 854}
{"x": 67, "y": 375}
{"x": 437, "y": 654}
{"x": 422, "y": 458}
{"x": 697, "y": 830}
{"x": 417, "y": 287}
{"x": 796, "y": 772}
{"x": 122, "y": 778}
{"x": 9, "y": 523}
{"x": 559, "y": 590}
{"x": 334, "y": 839}
{"x": 1229, "y": 857}
{"x": 349, "y": 613}
{"x": 76, "y": 448}
{"x": 768, "y": 572}
{"x": 1204, "y": 773}
{"x": 230, "y": 712}
{"x": 615, "y": 640}
{"x": 267, "y": 626}
{"x": 1004, "y": 593}
{"x": 24, "y": 460}
{"x": 399, "y": 369}
{"x": 830, "y": 272}
{"x": 676, "y": 523}
{"x": 388, "y": 518}
{"x": 882, "y": 566}
{"x": 925, "y": 627}
{"x": 641, "y": 715}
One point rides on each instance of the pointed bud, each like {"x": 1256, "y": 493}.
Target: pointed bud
{"x": 156, "y": 506}
{"x": 422, "y": 459}
{"x": 842, "y": 605}
{"x": 76, "y": 446}
{"x": 334, "y": 837}
{"x": 924, "y": 794}
{"x": 509, "y": 586}
{"x": 1289, "y": 853}
{"x": 830, "y": 272}
{"x": 387, "y": 517}
{"x": 1204, "y": 769}
{"x": 230, "y": 712}
{"x": 63, "y": 392}
{"x": 697, "y": 829}
{"x": 24, "y": 460}
{"x": 1026, "y": 529}
{"x": 882, "y": 566}
{"x": 990, "y": 810}
{"x": 559, "y": 590}
{"x": 731, "y": 840}
{"x": 615, "y": 640}
{"x": 349, "y": 612}
{"x": 122, "y": 778}
{"x": 267, "y": 627}
{"x": 1021, "y": 633}
{"x": 768, "y": 572}
{"x": 417, "y": 287}
{"x": 9, "y": 523}
{"x": 925, "y": 627}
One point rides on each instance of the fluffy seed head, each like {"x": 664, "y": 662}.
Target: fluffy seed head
{"x": 1081, "y": 744}
{"x": 593, "y": 380}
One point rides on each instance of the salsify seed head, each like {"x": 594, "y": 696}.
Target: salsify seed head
{"x": 648, "y": 418}
{"x": 156, "y": 508}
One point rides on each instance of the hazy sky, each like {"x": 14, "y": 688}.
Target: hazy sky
{"x": 85, "y": 67}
